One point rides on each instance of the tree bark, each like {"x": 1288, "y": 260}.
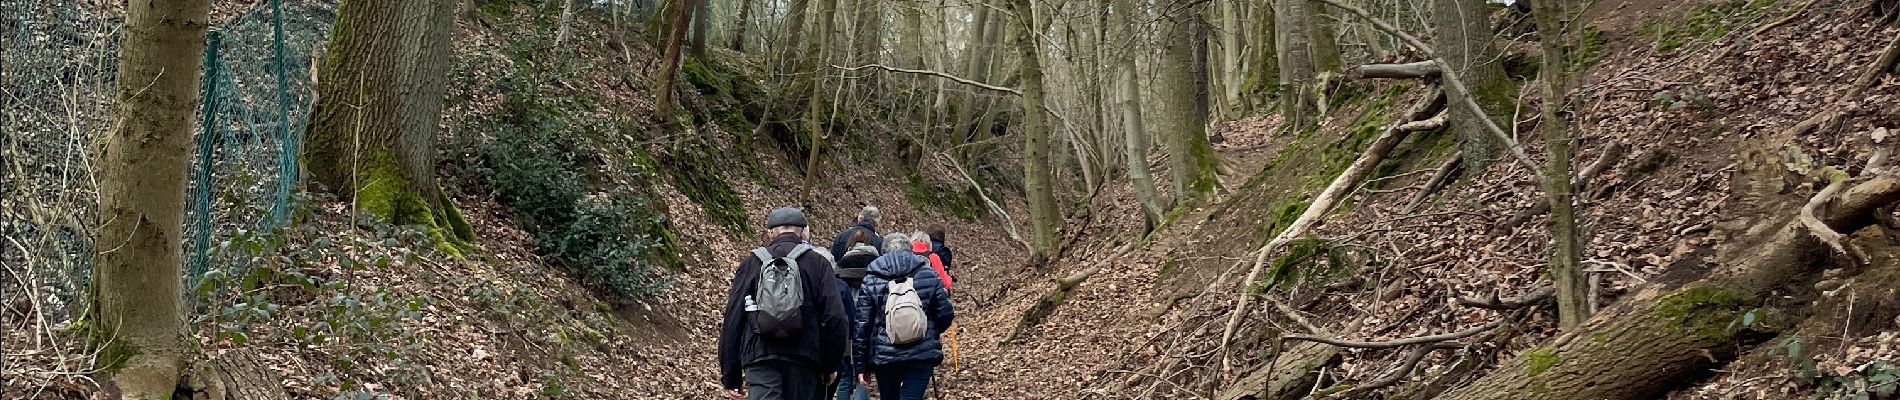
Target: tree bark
{"x": 739, "y": 26}
{"x": 1231, "y": 33}
{"x": 567, "y": 21}
{"x": 1134, "y": 135}
{"x": 1323, "y": 38}
{"x": 1462, "y": 31}
{"x": 373, "y": 146}
{"x": 136, "y": 291}
{"x": 1183, "y": 122}
{"x": 815, "y": 117}
{"x": 678, "y": 12}
{"x": 702, "y": 21}
{"x": 1296, "y": 64}
{"x": 1037, "y": 178}
{"x": 1573, "y": 302}
{"x": 1417, "y": 70}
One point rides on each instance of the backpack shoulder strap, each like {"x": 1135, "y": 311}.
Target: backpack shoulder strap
{"x": 765, "y": 256}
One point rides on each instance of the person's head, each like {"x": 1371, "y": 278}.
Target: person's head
{"x": 859, "y": 237}
{"x": 936, "y": 233}
{"x": 869, "y": 216}
{"x": 919, "y": 242}
{"x": 896, "y": 242}
{"x": 785, "y": 220}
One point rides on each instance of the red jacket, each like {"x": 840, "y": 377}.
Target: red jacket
{"x": 922, "y": 248}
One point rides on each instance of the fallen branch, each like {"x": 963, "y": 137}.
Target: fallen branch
{"x": 1398, "y": 373}
{"x": 1454, "y": 84}
{"x": 1536, "y": 296}
{"x": 1440, "y": 177}
{"x": 1611, "y": 156}
{"x": 1009, "y": 224}
{"x": 1443, "y": 337}
{"x": 1417, "y": 70}
{"x": 1046, "y": 305}
{"x": 939, "y": 74}
{"x": 1338, "y": 189}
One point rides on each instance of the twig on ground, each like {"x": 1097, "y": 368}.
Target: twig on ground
{"x": 1538, "y": 295}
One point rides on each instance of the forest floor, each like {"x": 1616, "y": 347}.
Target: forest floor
{"x": 506, "y": 324}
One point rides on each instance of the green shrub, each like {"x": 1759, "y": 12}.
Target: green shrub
{"x": 609, "y": 241}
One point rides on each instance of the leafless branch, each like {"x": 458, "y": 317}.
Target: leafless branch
{"x": 939, "y": 74}
{"x": 1538, "y": 295}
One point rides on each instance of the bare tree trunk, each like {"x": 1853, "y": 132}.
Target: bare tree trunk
{"x": 1037, "y": 177}
{"x": 429, "y": 64}
{"x": 1462, "y": 29}
{"x": 1135, "y": 138}
{"x": 793, "y": 31}
{"x": 678, "y": 12}
{"x": 1183, "y": 121}
{"x": 567, "y": 22}
{"x": 1573, "y": 302}
{"x": 815, "y": 118}
{"x": 978, "y": 68}
{"x": 1296, "y": 64}
{"x": 136, "y": 291}
{"x": 1231, "y": 33}
{"x": 702, "y": 20}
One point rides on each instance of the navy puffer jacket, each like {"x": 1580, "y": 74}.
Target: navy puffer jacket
{"x": 870, "y": 345}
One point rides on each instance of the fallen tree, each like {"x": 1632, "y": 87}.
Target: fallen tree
{"x": 1416, "y": 70}
{"x": 1649, "y": 341}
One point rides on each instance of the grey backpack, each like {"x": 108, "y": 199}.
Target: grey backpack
{"x": 780, "y": 296}
{"x": 904, "y": 319}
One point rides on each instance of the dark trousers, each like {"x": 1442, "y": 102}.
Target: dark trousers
{"x": 784, "y": 380}
{"x": 904, "y": 380}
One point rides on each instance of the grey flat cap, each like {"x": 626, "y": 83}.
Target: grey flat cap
{"x": 785, "y": 216}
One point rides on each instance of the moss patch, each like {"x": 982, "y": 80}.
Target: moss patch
{"x": 1702, "y": 24}
{"x": 1540, "y": 359}
{"x": 1709, "y": 312}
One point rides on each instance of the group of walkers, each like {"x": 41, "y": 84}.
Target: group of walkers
{"x": 804, "y": 322}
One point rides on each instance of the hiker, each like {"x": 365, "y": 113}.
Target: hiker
{"x": 851, "y": 269}
{"x": 920, "y": 244}
{"x": 867, "y": 223}
{"x": 785, "y": 325}
{"x": 904, "y": 307}
{"x": 938, "y": 247}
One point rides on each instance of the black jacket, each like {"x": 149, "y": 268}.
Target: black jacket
{"x": 943, "y": 253}
{"x": 838, "y": 245}
{"x": 824, "y": 340}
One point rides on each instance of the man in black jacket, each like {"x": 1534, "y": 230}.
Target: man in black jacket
{"x": 798, "y": 366}
{"x": 867, "y": 222}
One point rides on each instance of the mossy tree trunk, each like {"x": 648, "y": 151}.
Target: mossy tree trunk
{"x": 373, "y": 146}
{"x": 978, "y": 68}
{"x": 1323, "y": 38}
{"x": 1037, "y": 177}
{"x": 867, "y": 35}
{"x": 739, "y": 26}
{"x": 1183, "y": 121}
{"x": 816, "y": 118}
{"x": 1463, "y": 39}
{"x": 678, "y": 12}
{"x": 1266, "y": 50}
{"x": 136, "y": 292}
{"x": 1573, "y": 302}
